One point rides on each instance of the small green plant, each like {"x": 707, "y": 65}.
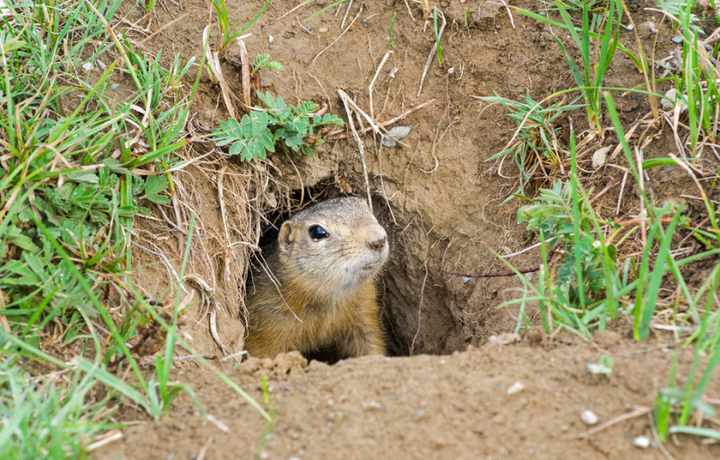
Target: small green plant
{"x": 537, "y": 147}
{"x": 392, "y": 24}
{"x": 333, "y": 5}
{"x": 437, "y": 38}
{"x": 289, "y": 127}
{"x": 466, "y": 18}
{"x": 590, "y": 78}
{"x": 150, "y": 5}
{"x": 262, "y": 61}
{"x": 696, "y": 84}
{"x": 229, "y": 33}
{"x": 269, "y": 422}
{"x": 604, "y": 366}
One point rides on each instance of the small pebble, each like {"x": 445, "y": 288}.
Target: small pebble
{"x": 271, "y": 39}
{"x": 115, "y": 86}
{"x": 588, "y": 417}
{"x": 420, "y": 413}
{"x": 322, "y": 30}
{"x": 395, "y": 134}
{"x": 365, "y": 24}
{"x": 677, "y": 39}
{"x": 629, "y": 27}
{"x": 294, "y": 458}
{"x": 87, "y": 67}
{"x": 372, "y": 405}
{"x": 599, "y": 157}
{"x": 516, "y": 387}
{"x": 642, "y": 442}
{"x": 465, "y": 279}
{"x": 264, "y": 455}
{"x": 330, "y": 402}
{"x": 295, "y": 435}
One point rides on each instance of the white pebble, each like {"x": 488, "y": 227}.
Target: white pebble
{"x": 322, "y": 30}
{"x": 642, "y": 442}
{"x": 516, "y": 387}
{"x": 599, "y": 157}
{"x": 270, "y": 39}
{"x": 588, "y": 417}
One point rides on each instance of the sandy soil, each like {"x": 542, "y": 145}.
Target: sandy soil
{"x": 442, "y": 205}
{"x": 426, "y": 407}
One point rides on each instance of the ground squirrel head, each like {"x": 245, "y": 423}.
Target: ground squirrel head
{"x": 333, "y": 247}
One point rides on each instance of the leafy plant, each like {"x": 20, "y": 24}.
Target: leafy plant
{"x": 262, "y": 61}
{"x": 289, "y": 127}
{"x": 537, "y": 146}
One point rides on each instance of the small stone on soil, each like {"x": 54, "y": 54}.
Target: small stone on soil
{"x": 676, "y": 40}
{"x": 599, "y": 157}
{"x": 372, "y": 405}
{"x": 642, "y": 442}
{"x": 271, "y": 39}
{"x": 516, "y": 387}
{"x": 395, "y": 134}
{"x": 588, "y": 417}
{"x": 322, "y": 30}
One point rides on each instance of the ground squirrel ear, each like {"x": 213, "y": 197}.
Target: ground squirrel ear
{"x": 286, "y": 237}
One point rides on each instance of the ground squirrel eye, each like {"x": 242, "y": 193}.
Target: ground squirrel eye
{"x": 317, "y": 232}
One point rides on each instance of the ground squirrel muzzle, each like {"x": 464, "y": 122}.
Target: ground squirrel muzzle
{"x": 317, "y": 293}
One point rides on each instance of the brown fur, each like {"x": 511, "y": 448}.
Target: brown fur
{"x": 322, "y": 294}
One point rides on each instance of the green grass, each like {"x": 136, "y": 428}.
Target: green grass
{"x": 392, "y": 24}
{"x": 537, "y": 148}
{"x": 229, "y": 32}
{"x": 437, "y": 38}
{"x": 79, "y": 163}
{"x": 590, "y": 74}
{"x": 593, "y": 282}
{"x": 49, "y": 417}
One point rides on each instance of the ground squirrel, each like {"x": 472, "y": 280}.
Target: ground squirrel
{"x": 321, "y": 299}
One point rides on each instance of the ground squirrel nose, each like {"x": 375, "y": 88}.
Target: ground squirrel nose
{"x": 377, "y": 245}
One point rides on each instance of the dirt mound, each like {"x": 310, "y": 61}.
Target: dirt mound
{"x": 429, "y": 407}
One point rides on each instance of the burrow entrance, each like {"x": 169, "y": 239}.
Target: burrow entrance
{"x": 419, "y": 302}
